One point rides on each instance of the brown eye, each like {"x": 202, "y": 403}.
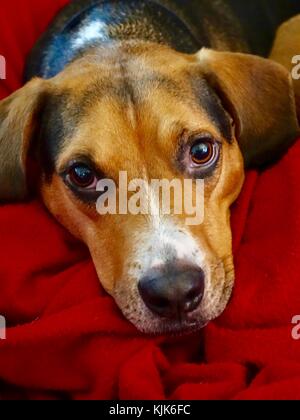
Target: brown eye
{"x": 82, "y": 176}
{"x": 202, "y": 152}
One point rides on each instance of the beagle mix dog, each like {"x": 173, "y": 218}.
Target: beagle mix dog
{"x": 167, "y": 89}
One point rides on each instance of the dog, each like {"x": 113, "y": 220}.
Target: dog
{"x": 161, "y": 90}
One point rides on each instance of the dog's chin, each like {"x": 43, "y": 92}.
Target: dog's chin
{"x": 149, "y": 323}
{"x": 172, "y": 328}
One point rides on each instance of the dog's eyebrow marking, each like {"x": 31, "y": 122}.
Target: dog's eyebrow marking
{"x": 212, "y": 105}
{"x": 60, "y": 117}
{"x": 125, "y": 89}
{"x": 86, "y": 159}
{"x": 55, "y": 127}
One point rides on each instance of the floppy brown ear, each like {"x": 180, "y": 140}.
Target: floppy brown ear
{"x": 258, "y": 94}
{"x": 18, "y": 121}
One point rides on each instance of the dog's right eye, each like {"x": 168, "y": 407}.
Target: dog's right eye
{"x": 202, "y": 152}
{"x": 82, "y": 176}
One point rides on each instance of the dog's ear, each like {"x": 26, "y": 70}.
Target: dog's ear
{"x": 19, "y": 115}
{"x": 259, "y": 96}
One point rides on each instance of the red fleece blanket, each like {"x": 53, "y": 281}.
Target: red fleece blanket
{"x": 67, "y": 339}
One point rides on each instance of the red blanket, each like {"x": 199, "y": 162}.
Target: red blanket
{"x": 67, "y": 339}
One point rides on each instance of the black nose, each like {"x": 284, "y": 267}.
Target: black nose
{"x": 172, "y": 293}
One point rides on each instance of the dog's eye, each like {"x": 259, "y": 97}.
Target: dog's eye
{"x": 82, "y": 176}
{"x": 202, "y": 152}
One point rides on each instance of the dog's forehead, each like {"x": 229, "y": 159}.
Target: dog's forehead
{"x": 124, "y": 79}
{"x": 107, "y": 100}
{"x": 133, "y": 73}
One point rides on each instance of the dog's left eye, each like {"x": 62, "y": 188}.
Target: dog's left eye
{"x": 82, "y": 176}
{"x": 200, "y": 154}
{"x": 204, "y": 152}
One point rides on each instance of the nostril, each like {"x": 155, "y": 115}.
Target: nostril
{"x": 153, "y": 298}
{"x": 192, "y": 300}
{"x": 194, "y": 295}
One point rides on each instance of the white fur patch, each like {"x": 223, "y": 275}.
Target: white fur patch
{"x": 93, "y": 31}
{"x": 166, "y": 242}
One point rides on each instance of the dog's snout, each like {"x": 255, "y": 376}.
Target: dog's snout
{"x": 172, "y": 293}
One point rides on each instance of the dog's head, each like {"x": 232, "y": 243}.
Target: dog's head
{"x": 154, "y": 114}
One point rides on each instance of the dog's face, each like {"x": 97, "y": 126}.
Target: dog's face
{"x": 154, "y": 114}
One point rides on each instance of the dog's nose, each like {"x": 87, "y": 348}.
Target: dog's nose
{"x": 172, "y": 293}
